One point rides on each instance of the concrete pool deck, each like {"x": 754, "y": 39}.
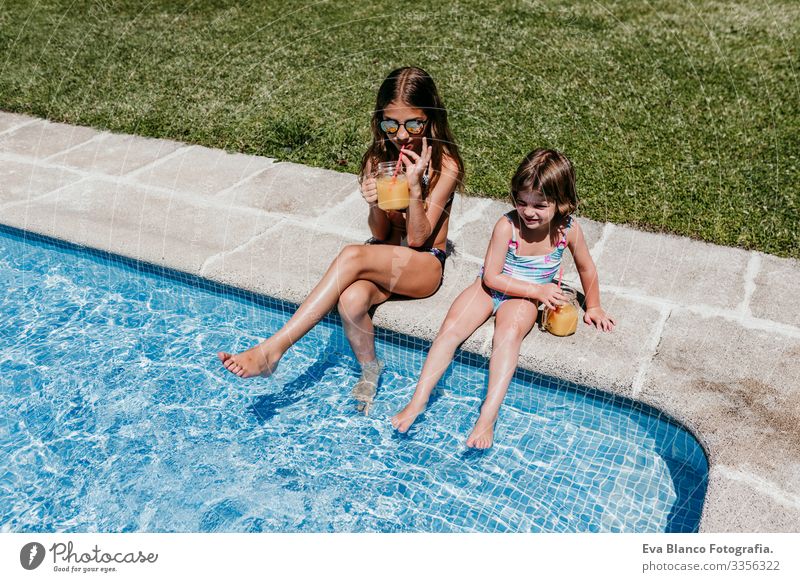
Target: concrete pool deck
{"x": 710, "y": 335}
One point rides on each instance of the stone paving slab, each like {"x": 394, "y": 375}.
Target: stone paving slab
{"x": 293, "y": 189}
{"x": 11, "y": 120}
{"x": 677, "y": 269}
{"x": 42, "y": 139}
{"x": 465, "y": 209}
{"x": 350, "y": 215}
{"x": 741, "y": 395}
{"x": 138, "y": 223}
{"x": 595, "y": 358}
{"x": 22, "y": 181}
{"x": 199, "y": 170}
{"x": 279, "y": 262}
{"x": 115, "y": 155}
{"x": 754, "y": 511}
{"x": 473, "y": 237}
{"x": 775, "y": 296}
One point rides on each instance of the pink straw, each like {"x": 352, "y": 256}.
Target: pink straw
{"x": 399, "y": 163}
{"x": 560, "y": 274}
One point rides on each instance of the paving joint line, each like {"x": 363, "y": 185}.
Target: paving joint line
{"x": 735, "y": 315}
{"x": 98, "y": 137}
{"x": 597, "y": 248}
{"x": 246, "y": 179}
{"x": 222, "y": 254}
{"x": 341, "y": 232}
{"x": 42, "y": 195}
{"x": 192, "y": 199}
{"x": 157, "y": 161}
{"x": 764, "y": 486}
{"x": 16, "y": 127}
{"x": 470, "y": 216}
{"x": 652, "y": 351}
{"x": 752, "y": 271}
{"x": 704, "y": 310}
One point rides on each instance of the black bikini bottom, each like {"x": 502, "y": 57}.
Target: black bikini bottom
{"x": 438, "y": 253}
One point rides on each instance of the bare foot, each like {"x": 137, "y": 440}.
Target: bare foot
{"x": 257, "y": 361}
{"x": 403, "y": 420}
{"x": 367, "y": 386}
{"x": 482, "y": 435}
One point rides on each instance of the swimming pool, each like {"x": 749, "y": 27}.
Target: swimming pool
{"x": 115, "y": 416}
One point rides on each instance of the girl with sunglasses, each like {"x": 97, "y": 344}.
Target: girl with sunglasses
{"x": 406, "y": 254}
{"x": 522, "y": 260}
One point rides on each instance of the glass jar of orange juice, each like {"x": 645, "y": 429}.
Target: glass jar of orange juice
{"x": 563, "y": 320}
{"x": 392, "y": 187}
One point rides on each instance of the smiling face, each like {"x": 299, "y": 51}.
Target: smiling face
{"x": 402, "y": 113}
{"x": 535, "y": 211}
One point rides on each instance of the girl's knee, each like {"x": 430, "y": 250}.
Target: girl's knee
{"x": 451, "y": 333}
{"x": 351, "y": 253}
{"x": 353, "y": 301}
{"x": 509, "y": 334}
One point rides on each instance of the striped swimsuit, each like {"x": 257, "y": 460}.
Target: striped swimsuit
{"x": 539, "y": 269}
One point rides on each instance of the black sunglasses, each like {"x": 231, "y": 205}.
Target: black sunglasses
{"x": 413, "y": 126}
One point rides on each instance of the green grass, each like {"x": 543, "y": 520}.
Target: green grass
{"x": 680, "y": 116}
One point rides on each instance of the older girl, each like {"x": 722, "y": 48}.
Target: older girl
{"x": 406, "y": 255}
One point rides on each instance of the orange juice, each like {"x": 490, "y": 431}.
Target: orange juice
{"x": 392, "y": 192}
{"x": 563, "y": 320}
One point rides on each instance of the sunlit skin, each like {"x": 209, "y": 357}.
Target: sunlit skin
{"x": 515, "y": 317}
{"x": 362, "y": 276}
{"x": 401, "y": 113}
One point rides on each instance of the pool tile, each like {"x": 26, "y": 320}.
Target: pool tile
{"x": 42, "y": 139}
{"x": 115, "y": 155}
{"x": 674, "y": 268}
{"x": 508, "y": 507}
{"x": 775, "y": 296}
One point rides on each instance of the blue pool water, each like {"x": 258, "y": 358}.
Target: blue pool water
{"x": 115, "y": 416}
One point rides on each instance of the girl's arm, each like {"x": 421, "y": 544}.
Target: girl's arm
{"x": 595, "y": 315}
{"x": 419, "y": 222}
{"x": 379, "y": 224}
{"x": 549, "y": 294}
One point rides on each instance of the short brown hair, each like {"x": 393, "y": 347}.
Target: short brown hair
{"x": 551, "y": 173}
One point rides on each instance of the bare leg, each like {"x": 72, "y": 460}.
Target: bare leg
{"x": 470, "y": 309}
{"x": 513, "y": 321}
{"x": 354, "y": 305}
{"x": 397, "y": 269}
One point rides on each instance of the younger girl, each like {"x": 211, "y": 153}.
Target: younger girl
{"x": 406, "y": 255}
{"x": 523, "y": 258}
